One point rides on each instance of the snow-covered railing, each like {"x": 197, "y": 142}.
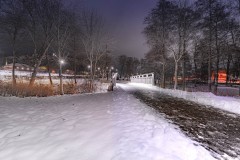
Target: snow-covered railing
{"x": 143, "y": 78}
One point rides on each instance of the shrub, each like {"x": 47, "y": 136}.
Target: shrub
{"x": 87, "y": 87}
{"x": 24, "y": 90}
{"x": 70, "y": 88}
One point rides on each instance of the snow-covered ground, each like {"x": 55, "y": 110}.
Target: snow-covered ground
{"x": 28, "y": 74}
{"x": 6, "y": 75}
{"x": 106, "y": 126}
{"x": 230, "y": 104}
{"x": 222, "y": 90}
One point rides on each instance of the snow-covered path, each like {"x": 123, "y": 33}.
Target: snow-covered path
{"x": 107, "y": 126}
{"x": 217, "y": 130}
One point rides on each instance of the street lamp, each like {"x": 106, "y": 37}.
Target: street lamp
{"x": 61, "y": 62}
{"x": 110, "y": 71}
{"x": 89, "y": 70}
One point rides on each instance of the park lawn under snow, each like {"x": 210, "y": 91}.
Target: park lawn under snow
{"x": 5, "y": 75}
{"x": 106, "y": 126}
{"x": 229, "y": 104}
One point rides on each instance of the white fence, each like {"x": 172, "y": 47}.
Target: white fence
{"x": 143, "y": 78}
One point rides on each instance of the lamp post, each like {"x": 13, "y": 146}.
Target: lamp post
{"x": 110, "y": 71}
{"x": 61, "y": 62}
{"x": 89, "y": 67}
{"x": 107, "y": 72}
{"x": 99, "y": 72}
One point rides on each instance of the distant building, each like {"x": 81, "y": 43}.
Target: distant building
{"x": 43, "y": 69}
{"x": 68, "y": 71}
{"x": 18, "y": 67}
{"x": 222, "y": 77}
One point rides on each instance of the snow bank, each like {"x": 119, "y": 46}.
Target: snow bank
{"x": 226, "y": 103}
{"x": 109, "y": 126}
{"x": 101, "y": 87}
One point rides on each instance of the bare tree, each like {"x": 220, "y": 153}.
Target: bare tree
{"x": 210, "y": 26}
{"x": 186, "y": 20}
{"x": 159, "y": 24}
{"x": 63, "y": 29}
{"x": 177, "y": 54}
{"x": 12, "y": 23}
{"x": 180, "y": 35}
{"x": 94, "y": 38}
{"x": 41, "y": 18}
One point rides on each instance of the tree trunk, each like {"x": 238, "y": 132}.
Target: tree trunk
{"x": 75, "y": 70}
{"x": 184, "y": 65}
{"x": 91, "y": 74}
{"x": 95, "y": 68}
{"x": 14, "y": 81}
{"x": 107, "y": 74}
{"x": 184, "y": 73}
{"x": 209, "y": 70}
{"x": 175, "y": 76}
{"x": 75, "y": 61}
{"x": 216, "y": 75}
{"x": 228, "y": 67}
{"x": 49, "y": 72}
{"x": 34, "y": 74}
{"x": 210, "y": 49}
{"x": 163, "y": 85}
{"x": 218, "y": 54}
{"x": 61, "y": 80}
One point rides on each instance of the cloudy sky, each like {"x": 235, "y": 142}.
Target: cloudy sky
{"x": 125, "y": 20}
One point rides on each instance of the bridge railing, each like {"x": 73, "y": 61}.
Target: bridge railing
{"x": 147, "y": 78}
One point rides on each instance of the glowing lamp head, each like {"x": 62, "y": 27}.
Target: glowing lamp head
{"x": 61, "y": 61}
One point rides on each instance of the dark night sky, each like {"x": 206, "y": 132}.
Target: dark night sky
{"x": 125, "y": 20}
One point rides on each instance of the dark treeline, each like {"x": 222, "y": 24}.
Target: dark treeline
{"x": 127, "y": 66}
{"x": 44, "y": 32}
{"x": 194, "y": 39}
